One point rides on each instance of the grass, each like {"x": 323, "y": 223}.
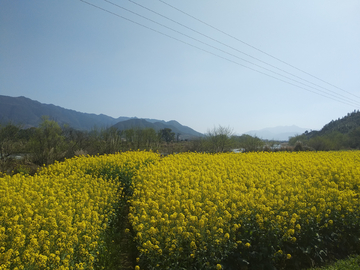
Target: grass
{"x": 351, "y": 263}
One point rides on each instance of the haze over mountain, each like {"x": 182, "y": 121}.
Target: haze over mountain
{"x": 280, "y": 133}
{"x": 183, "y": 131}
{"x": 29, "y": 113}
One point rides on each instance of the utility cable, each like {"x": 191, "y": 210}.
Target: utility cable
{"x": 189, "y": 28}
{"x": 251, "y": 46}
{"x": 209, "y": 52}
{"x": 346, "y": 99}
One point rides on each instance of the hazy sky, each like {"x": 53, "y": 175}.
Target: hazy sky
{"x": 77, "y": 56}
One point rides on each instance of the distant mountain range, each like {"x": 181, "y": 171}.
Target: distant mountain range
{"x": 280, "y": 133}
{"x": 28, "y": 113}
{"x": 345, "y": 125}
{"x": 175, "y": 126}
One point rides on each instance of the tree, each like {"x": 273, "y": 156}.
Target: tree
{"x": 336, "y": 140}
{"x": 297, "y": 139}
{"x": 10, "y": 144}
{"x": 249, "y": 143}
{"x": 111, "y": 140}
{"x": 138, "y": 137}
{"x": 219, "y": 139}
{"x": 167, "y": 135}
{"x": 76, "y": 140}
{"x": 94, "y": 142}
{"x": 354, "y": 138}
{"x": 9, "y": 140}
{"x": 320, "y": 143}
{"x": 47, "y": 144}
{"x": 151, "y": 138}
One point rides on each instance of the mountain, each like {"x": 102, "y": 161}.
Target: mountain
{"x": 183, "y": 131}
{"x": 28, "y": 113}
{"x": 344, "y": 125}
{"x": 280, "y": 133}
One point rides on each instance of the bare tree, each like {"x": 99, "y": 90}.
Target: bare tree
{"x": 219, "y": 139}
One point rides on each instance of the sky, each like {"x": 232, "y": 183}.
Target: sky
{"x": 245, "y": 65}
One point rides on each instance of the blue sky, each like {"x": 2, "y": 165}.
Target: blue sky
{"x": 74, "y": 55}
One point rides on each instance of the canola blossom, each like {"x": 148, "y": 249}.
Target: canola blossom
{"x": 187, "y": 211}
{"x": 203, "y": 211}
{"x": 54, "y": 220}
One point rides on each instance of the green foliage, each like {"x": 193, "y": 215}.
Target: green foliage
{"x": 297, "y": 139}
{"x": 331, "y": 141}
{"x": 77, "y": 141}
{"x": 47, "y": 144}
{"x": 354, "y": 138}
{"x": 118, "y": 250}
{"x": 320, "y": 143}
{"x": 111, "y": 140}
{"x": 343, "y": 125}
{"x": 167, "y": 135}
{"x": 137, "y": 138}
{"x": 351, "y": 263}
{"x": 50, "y": 142}
{"x": 298, "y": 147}
{"x": 150, "y": 138}
{"x": 10, "y": 142}
{"x": 221, "y": 140}
{"x": 249, "y": 143}
{"x": 340, "y": 134}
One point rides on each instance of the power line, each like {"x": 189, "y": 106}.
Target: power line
{"x": 157, "y": 13}
{"x": 209, "y": 52}
{"x": 249, "y": 45}
{"x": 147, "y": 27}
{"x": 346, "y": 99}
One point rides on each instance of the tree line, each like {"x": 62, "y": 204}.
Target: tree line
{"x": 334, "y": 140}
{"x": 50, "y": 142}
{"x": 343, "y": 133}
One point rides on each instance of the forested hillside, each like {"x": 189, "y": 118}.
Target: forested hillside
{"x": 343, "y": 133}
{"x": 344, "y": 125}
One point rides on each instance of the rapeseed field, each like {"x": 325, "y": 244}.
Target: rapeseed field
{"x": 232, "y": 211}
{"x": 187, "y": 211}
{"x": 55, "y": 219}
